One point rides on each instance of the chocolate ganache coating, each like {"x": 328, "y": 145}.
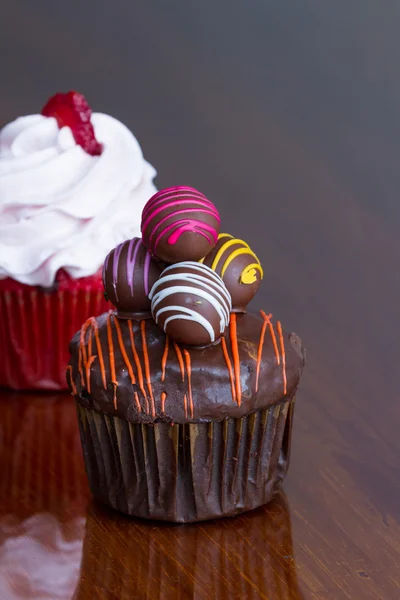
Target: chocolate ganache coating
{"x": 133, "y": 370}
{"x": 129, "y": 272}
{"x": 239, "y": 268}
{"x": 191, "y": 303}
{"x": 179, "y": 223}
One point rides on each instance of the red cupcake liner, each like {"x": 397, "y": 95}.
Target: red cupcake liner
{"x": 36, "y": 326}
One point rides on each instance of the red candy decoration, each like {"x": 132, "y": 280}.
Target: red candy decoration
{"x": 72, "y": 110}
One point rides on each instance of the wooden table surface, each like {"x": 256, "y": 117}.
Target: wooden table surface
{"x": 287, "y": 116}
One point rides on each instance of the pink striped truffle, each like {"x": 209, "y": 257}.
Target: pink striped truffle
{"x": 179, "y": 223}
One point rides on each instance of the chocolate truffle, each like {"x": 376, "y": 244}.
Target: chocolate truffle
{"x": 179, "y": 223}
{"x": 128, "y": 275}
{"x": 234, "y": 261}
{"x": 191, "y": 303}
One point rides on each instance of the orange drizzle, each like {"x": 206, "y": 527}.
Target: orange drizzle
{"x": 236, "y": 358}
{"x": 185, "y": 405}
{"x": 229, "y": 365}
{"x": 82, "y": 357}
{"x": 82, "y": 340}
{"x": 89, "y": 360}
{"x": 180, "y": 360}
{"x": 123, "y": 352}
{"x": 90, "y": 343}
{"x": 111, "y": 356}
{"x": 138, "y": 365}
{"x": 99, "y": 351}
{"x": 88, "y": 365}
{"x": 259, "y": 351}
{"x": 127, "y": 362}
{"x": 189, "y": 376}
{"x": 147, "y": 366}
{"x": 272, "y": 332}
{"x": 164, "y": 358}
{"x": 163, "y": 398}
{"x": 137, "y": 402}
{"x": 69, "y": 369}
{"x": 279, "y": 328}
{"x": 80, "y": 363}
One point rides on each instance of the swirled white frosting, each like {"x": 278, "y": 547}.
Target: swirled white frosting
{"x": 61, "y": 207}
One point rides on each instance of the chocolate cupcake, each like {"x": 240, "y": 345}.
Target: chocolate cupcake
{"x": 185, "y": 416}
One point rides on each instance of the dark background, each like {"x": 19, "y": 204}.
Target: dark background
{"x": 286, "y": 115}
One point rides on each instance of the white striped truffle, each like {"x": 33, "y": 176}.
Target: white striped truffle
{"x": 191, "y": 303}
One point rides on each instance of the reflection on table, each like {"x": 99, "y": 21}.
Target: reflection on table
{"x": 249, "y": 556}
{"x": 43, "y": 497}
{"x": 47, "y": 553}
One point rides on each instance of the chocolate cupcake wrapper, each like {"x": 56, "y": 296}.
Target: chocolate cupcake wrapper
{"x": 35, "y": 330}
{"x": 187, "y": 472}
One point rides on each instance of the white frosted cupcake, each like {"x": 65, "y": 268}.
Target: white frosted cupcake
{"x": 72, "y": 185}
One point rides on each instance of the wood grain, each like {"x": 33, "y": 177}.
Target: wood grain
{"x": 287, "y": 117}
